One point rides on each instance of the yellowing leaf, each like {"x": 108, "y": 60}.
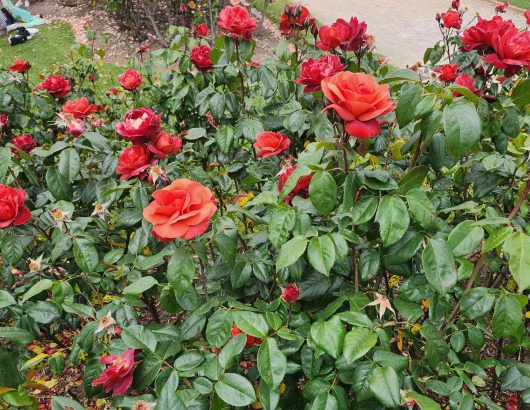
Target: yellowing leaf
{"x": 34, "y": 361}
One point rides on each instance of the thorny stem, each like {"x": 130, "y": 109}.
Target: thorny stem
{"x": 520, "y": 201}
{"x": 203, "y": 280}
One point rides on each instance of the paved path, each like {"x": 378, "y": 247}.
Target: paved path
{"x": 403, "y": 29}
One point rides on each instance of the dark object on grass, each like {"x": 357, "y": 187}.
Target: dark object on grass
{"x": 21, "y": 37}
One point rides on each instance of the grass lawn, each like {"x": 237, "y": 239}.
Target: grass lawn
{"x": 524, "y": 4}
{"x": 274, "y": 10}
{"x": 47, "y": 49}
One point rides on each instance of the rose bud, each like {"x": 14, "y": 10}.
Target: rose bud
{"x": 130, "y": 79}
{"x": 291, "y": 293}
{"x": 24, "y": 143}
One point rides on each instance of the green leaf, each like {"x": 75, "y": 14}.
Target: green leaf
{"x": 321, "y": 254}
{"x": 329, "y": 336}
{"x": 389, "y": 359}
{"x": 520, "y": 94}
{"x": 65, "y": 403}
{"x": 299, "y": 172}
{"x": 188, "y": 361}
{"x": 139, "y": 337}
{"x": 5, "y": 160}
{"x": 181, "y": 270}
{"x": 280, "y": 225}
{"x": 422, "y": 209}
{"x": 11, "y": 247}
{"x": 251, "y": 323}
{"x": 370, "y": 263}
{"x": 477, "y": 302}
{"x": 225, "y": 239}
{"x": 358, "y": 342}
{"x": 141, "y": 285}
{"x": 496, "y": 238}
{"x": 325, "y": 401}
{"x": 218, "y": 328}
{"x": 323, "y": 192}
{"x": 439, "y": 265}
{"x": 224, "y": 137}
{"x": 272, "y": 363}
{"x": 15, "y": 334}
{"x": 85, "y": 254}
{"x": 6, "y": 299}
{"x": 69, "y": 164}
{"x": 58, "y": 185}
{"x": 517, "y": 246}
{"x": 235, "y": 390}
{"x": 291, "y": 251}
{"x": 146, "y": 372}
{"x": 234, "y": 347}
{"x": 168, "y": 399}
{"x": 384, "y": 384}
{"x": 412, "y": 179}
{"x": 364, "y": 210}
{"x": 407, "y": 102}
{"x": 393, "y": 219}
{"x": 507, "y": 317}
{"x": 40, "y": 286}
{"x": 217, "y": 105}
{"x": 462, "y": 127}
{"x": 9, "y": 373}
{"x": 465, "y": 238}
{"x": 423, "y": 402}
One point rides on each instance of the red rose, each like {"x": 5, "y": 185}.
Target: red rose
{"x": 201, "y": 30}
{"x": 133, "y": 162}
{"x": 270, "y": 143}
{"x": 253, "y": 64}
{"x": 251, "y": 340}
{"x": 181, "y": 210}
{"x": 165, "y": 144}
{"x": 314, "y": 71}
{"x": 356, "y": 36}
{"x": 452, "y": 19}
{"x": 12, "y": 208}
{"x": 301, "y": 188}
{"x": 4, "y": 121}
{"x": 113, "y": 91}
{"x": 118, "y": 376}
{"x": 20, "y": 66}
{"x": 139, "y": 126}
{"x": 527, "y": 16}
{"x": 479, "y": 37}
{"x": 501, "y": 8}
{"x": 358, "y": 100}
{"x": 76, "y": 127}
{"x": 447, "y": 72}
{"x": 512, "y": 51}
{"x": 237, "y": 22}
{"x": 79, "y": 108}
{"x": 331, "y": 37}
{"x": 55, "y": 85}
{"x": 455, "y": 4}
{"x": 291, "y": 293}
{"x": 24, "y": 143}
{"x": 130, "y": 79}
{"x": 200, "y": 57}
{"x": 294, "y": 18}
{"x": 467, "y": 81}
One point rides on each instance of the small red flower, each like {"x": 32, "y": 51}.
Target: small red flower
{"x": 447, "y": 72}
{"x": 313, "y": 71}
{"x": 251, "y": 340}
{"x": 134, "y": 161}
{"x": 501, "y": 8}
{"x": 165, "y": 144}
{"x": 139, "y": 126}
{"x": 20, "y": 66}
{"x": 118, "y": 376}
{"x": 12, "y": 208}
{"x": 301, "y": 188}
{"x": 270, "y": 143}
{"x": 4, "y": 121}
{"x": 80, "y": 108}
{"x": 294, "y": 18}
{"x": 130, "y": 79}
{"x": 467, "y": 81}
{"x": 200, "y": 57}
{"x": 24, "y": 143}
{"x": 237, "y": 22}
{"x": 455, "y": 4}
{"x": 291, "y": 293}
{"x": 452, "y": 19}
{"x": 55, "y": 85}
{"x": 201, "y": 30}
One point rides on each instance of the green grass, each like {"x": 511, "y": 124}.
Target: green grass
{"x": 47, "y": 50}
{"x": 274, "y": 10}
{"x": 524, "y": 4}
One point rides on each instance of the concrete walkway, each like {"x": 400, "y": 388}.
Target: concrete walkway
{"x": 403, "y": 29}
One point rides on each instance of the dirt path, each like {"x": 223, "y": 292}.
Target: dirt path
{"x": 403, "y": 29}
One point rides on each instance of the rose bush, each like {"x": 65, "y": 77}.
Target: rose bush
{"x": 316, "y": 231}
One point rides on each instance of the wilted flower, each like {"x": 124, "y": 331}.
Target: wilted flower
{"x": 118, "y": 376}
{"x": 35, "y": 265}
{"x": 106, "y": 323}
{"x": 101, "y": 211}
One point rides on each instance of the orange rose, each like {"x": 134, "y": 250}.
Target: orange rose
{"x": 358, "y": 100}
{"x": 181, "y": 210}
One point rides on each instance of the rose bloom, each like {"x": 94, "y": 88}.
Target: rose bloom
{"x": 4, "y": 121}
{"x": 479, "y": 37}
{"x": 270, "y": 143}
{"x": 467, "y": 81}
{"x": 251, "y": 340}
{"x": 447, "y": 72}
{"x": 455, "y": 4}
{"x": 331, "y": 37}
{"x": 237, "y": 22}
{"x": 76, "y": 127}
{"x": 452, "y": 19}
{"x": 201, "y": 30}
{"x": 12, "y": 208}
{"x": 294, "y": 18}
{"x": 80, "y": 108}
{"x": 356, "y": 36}
{"x": 501, "y": 8}
{"x": 314, "y": 71}
{"x": 20, "y": 66}
{"x": 24, "y": 143}
{"x": 165, "y": 144}
{"x": 200, "y": 57}
{"x": 118, "y": 376}
{"x": 139, "y": 126}
{"x": 358, "y": 100}
{"x": 130, "y": 79}
{"x": 512, "y": 51}
{"x": 181, "y": 210}
{"x": 134, "y": 161}
{"x": 291, "y": 293}
{"x": 301, "y": 188}
{"x": 55, "y": 85}
{"x": 527, "y": 16}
